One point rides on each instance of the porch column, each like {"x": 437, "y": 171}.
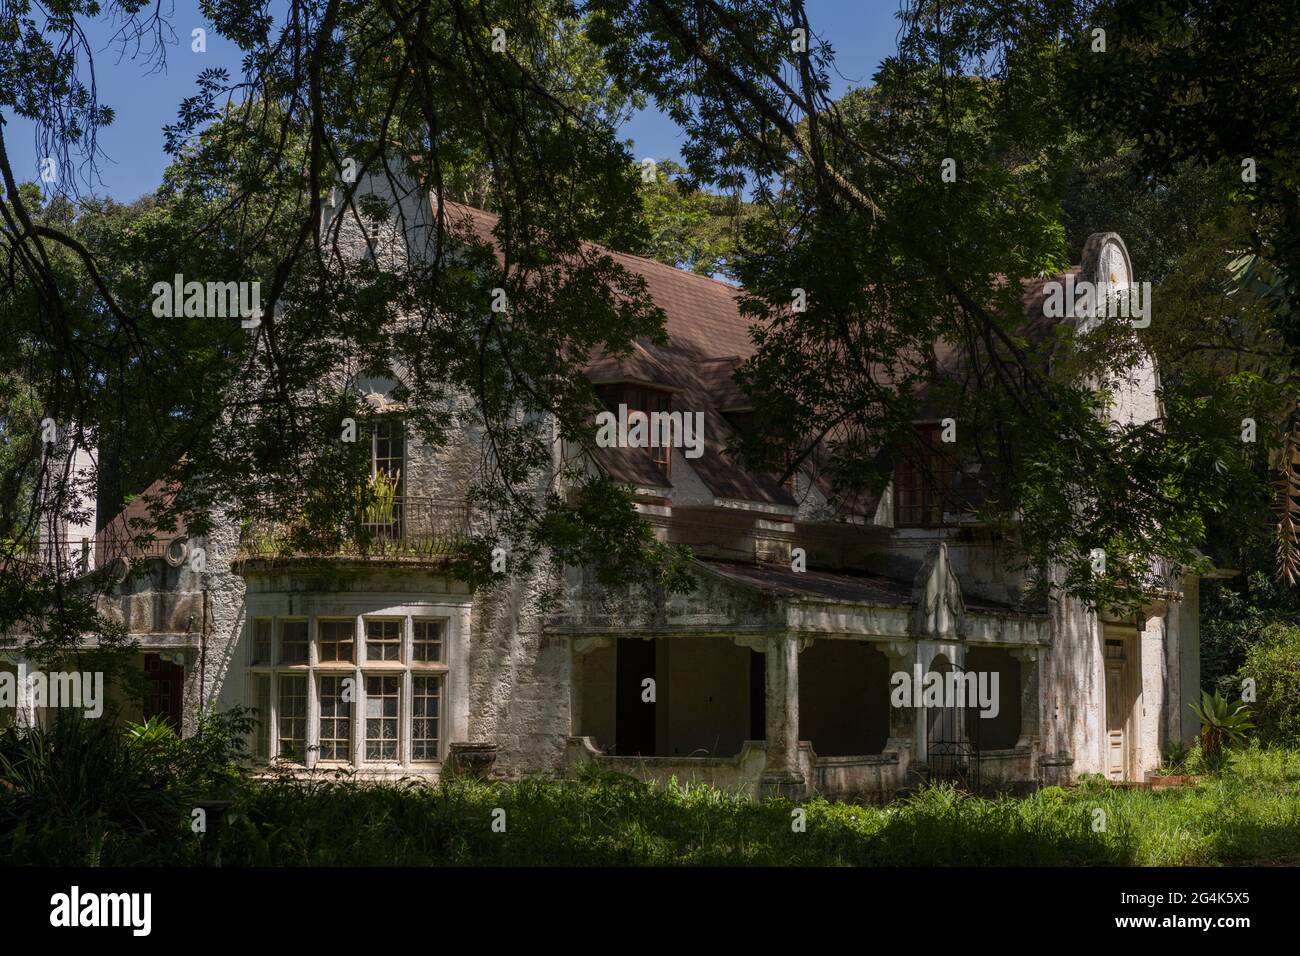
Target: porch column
{"x": 902, "y": 720}
{"x": 25, "y": 714}
{"x": 1030, "y": 729}
{"x": 781, "y": 773}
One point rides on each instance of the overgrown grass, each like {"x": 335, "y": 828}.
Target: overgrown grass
{"x": 82, "y": 792}
{"x": 1248, "y": 813}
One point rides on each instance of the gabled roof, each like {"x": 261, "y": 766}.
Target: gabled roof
{"x": 708, "y": 338}
{"x": 702, "y": 318}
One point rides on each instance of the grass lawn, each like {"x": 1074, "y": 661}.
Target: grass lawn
{"x": 1247, "y": 813}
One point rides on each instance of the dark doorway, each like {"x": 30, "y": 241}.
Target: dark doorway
{"x": 844, "y": 698}
{"x": 1003, "y": 731}
{"x": 634, "y": 718}
{"x": 166, "y": 689}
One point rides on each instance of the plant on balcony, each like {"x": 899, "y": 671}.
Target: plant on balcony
{"x": 257, "y": 538}
{"x": 381, "y": 498}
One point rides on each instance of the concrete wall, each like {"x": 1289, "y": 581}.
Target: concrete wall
{"x": 595, "y": 676}
{"x": 519, "y": 677}
{"x": 182, "y": 608}
{"x": 1073, "y": 693}
{"x": 1188, "y": 613}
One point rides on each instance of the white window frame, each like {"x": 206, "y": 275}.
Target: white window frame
{"x": 405, "y": 669}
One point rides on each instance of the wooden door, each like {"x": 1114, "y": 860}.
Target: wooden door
{"x": 166, "y": 690}
{"x": 1119, "y": 706}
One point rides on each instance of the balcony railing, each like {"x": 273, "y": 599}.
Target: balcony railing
{"x": 80, "y": 554}
{"x": 402, "y": 526}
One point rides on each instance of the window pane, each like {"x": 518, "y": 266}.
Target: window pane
{"x": 648, "y": 401}
{"x": 335, "y": 720}
{"x": 428, "y": 641}
{"x": 335, "y": 640}
{"x": 293, "y": 642}
{"x": 425, "y": 700}
{"x": 261, "y": 746}
{"x": 923, "y": 479}
{"x": 293, "y": 717}
{"x": 390, "y": 448}
{"x": 262, "y": 641}
{"x": 382, "y": 717}
{"x": 383, "y": 640}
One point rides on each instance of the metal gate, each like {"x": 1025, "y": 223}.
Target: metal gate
{"x": 952, "y": 746}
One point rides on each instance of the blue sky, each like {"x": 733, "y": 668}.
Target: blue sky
{"x": 861, "y": 32}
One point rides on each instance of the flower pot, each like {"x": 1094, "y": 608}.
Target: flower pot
{"x": 1174, "y": 780}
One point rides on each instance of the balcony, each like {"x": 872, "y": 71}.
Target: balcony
{"x": 84, "y": 553}
{"x": 400, "y": 526}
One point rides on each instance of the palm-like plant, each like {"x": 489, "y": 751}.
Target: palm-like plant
{"x": 1222, "y": 721}
{"x": 1288, "y": 503}
{"x": 1256, "y": 280}
{"x": 383, "y": 497}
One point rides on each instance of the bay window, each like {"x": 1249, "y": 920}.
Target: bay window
{"x": 349, "y": 690}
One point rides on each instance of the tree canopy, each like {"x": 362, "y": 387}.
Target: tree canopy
{"x": 910, "y": 214}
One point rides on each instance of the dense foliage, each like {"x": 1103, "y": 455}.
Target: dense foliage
{"x": 908, "y": 215}
{"x": 84, "y": 793}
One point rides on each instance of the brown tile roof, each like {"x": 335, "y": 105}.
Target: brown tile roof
{"x": 708, "y": 338}
{"x": 118, "y": 536}
{"x": 702, "y": 317}
{"x": 716, "y": 375}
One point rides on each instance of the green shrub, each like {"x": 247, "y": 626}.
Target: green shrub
{"x": 76, "y": 793}
{"x": 1274, "y": 664}
{"x": 1248, "y": 811}
{"x": 83, "y": 792}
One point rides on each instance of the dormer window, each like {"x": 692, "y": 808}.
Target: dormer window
{"x": 641, "y": 398}
{"x": 743, "y": 423}
{"x": 923, "y": 478}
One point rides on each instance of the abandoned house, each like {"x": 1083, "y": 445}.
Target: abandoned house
{"x": 772, "y": 675}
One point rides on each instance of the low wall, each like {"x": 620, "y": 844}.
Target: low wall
{"x": 874, "y": 777}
